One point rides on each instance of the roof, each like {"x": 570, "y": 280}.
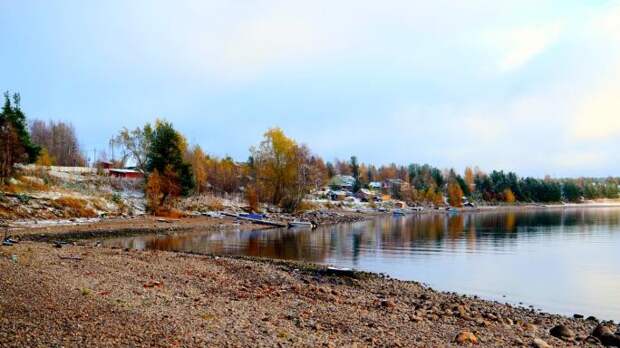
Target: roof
{"x": 342, "y": 180}
{"x": 125, "y": 171}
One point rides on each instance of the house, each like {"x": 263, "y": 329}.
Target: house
{"x": 342, "y": 182}
{"x": 105, "y": 165}
{"x": 375, "y": 185}
{"x": 125, "y": 173}
{"x": 365, "y": 195}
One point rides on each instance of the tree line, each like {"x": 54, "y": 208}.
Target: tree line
{"x": 278, "y": 171}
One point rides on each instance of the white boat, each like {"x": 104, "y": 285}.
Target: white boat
{"x": 301, "y": 224}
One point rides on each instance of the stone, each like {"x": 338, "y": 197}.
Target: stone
{"x": 562, "y": 332}
{"x": 606, "y": 336}
{"x": 538, "y": 343}
{"x": 466, "y": 337}
{"x": 601, "y": 330}
{"x": 387, "y": 304}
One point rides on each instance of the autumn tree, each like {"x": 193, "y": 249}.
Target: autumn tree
{"x": 153, "y": 191}
{"x": 469, "y": 179}
{"x": 198, "y": 159}
{"x": 16, "y": 145}
{"x": 165, "y": 154}
{"x": 45, "y": 159}
{"x": 509, "y": 196}
{"x": 455, "y": 194}
{"x": 283, "y": 170}
{"x": 275, "y": 162}
{"x": 60, "y": 142}
{"x": 134, "y": 145}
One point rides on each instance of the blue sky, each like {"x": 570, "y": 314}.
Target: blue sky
{"x": 530, "y": 86}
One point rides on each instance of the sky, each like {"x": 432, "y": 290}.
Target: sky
{"x": 531, "y": 86}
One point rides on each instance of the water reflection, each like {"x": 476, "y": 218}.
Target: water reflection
{"x": 532, "y": 256}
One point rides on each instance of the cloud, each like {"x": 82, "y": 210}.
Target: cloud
{"x": 518, "y": 46}
{"x": 598, "y": 116}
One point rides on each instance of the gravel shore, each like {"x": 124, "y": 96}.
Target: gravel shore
{"x": 79, "y": 296}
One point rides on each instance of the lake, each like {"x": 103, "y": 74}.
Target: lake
{"x": 558, "y": 260}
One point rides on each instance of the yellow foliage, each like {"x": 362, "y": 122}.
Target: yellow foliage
{"x": 509, "y": 197}
{"x": 45, "y": 159}
{"x": 198, "y": 160}
{"x": 469, "y": 179}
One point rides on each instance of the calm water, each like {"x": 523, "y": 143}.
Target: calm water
{"x": 561, "y": 261}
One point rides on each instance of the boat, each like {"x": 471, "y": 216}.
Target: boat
{"x": 398, "y": 213}
{"x": 301, "y": 224}
{"x": 257, "y": 221}
{"x": 253, "y": 216}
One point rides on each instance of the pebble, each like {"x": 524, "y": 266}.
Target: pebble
{"x": 562, "y": 332}
{"x": 606, "y": 336}
{"x": 538, "y": 343}
{"x": 465, "y": 337}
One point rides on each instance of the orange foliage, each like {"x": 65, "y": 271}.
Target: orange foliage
{"x": 153, "y": 191}
{"x": 74, "y": 207}
{"x": 469, "y": 179}
{"x": 455, "y": 194}
{"x": 252, "y": 197}
{"x": 509, "y": 197}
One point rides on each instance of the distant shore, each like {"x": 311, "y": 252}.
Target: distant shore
{"x": 46, "y": 230}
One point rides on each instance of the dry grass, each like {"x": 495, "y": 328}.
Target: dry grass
{"x": 170, "y": 213}
{"x": 306, "y": 206}
{"x": 213, "y": 204}
{"x": 75, "y": 207}
{"x": 25, "y": 184}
